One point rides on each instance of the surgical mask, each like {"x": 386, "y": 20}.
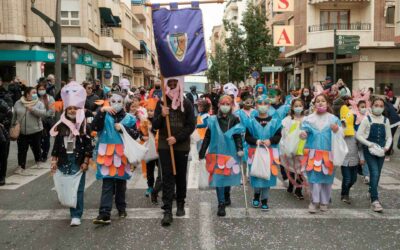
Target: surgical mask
{"x": 263, "y": 109}
{"x": 42, "y": 92}
{"x": 272, "y": 100}
{"x": 117, "y": 107}
{"x": 34, "y": 97}
{"x": 72, "y": 117}
{"x": 298, "y": 110}
{"x": 306, "y": 94}
{"x": 321, "y": 109}
{"x": 377, "y": 111}
{"x": 225, "y": 109}
{"x": 363, "y": 111}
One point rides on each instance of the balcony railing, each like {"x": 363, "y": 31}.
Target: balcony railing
{"x": 108, "y": 32}
{"x": 339, "y": 26}
{"x": 139, "y": 56}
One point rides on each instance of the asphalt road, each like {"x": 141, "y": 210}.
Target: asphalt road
{"x": 32, "y": 218}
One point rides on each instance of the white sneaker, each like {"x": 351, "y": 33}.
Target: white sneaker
{"x": 75, "y": 222}
{"x": 312, "y": 208}
{"x": 19, "y": 170}
{"x": 323, "y": 208}
{"x": 366, "y": 179}
{"x": 36, "y": 166}
{"x": 376, "y": 206}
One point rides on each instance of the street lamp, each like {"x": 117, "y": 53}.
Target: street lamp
{"x": 55, "y": 28}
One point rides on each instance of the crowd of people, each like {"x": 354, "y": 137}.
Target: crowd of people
{"x": 246, "y": 136}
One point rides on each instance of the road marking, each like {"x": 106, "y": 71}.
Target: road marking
{"x": 88, "y": 214}
{"x": 206, "y": 228}
{"x": 193, "y": 175}
{"x": 18, "y": 180}
{"x": 239, "y": 213}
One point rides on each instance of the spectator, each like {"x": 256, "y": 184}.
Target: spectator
{"x": 328, "y": 83}
{"x": 156, "y": 91}
{"x": 28, "y": 112}
{"x": 15, "y": 88}
{"x": 98, "y": 89}
{"x": 90, "y": 105}
{"x": 51, "y": 87}
{"x": 6, "y": 104}
{"x": 48, "y": 120}
{"x": 307, "y": 97}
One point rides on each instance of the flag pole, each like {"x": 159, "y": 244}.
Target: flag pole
{"x": 171, "y": 147}
{"x": 186, "y": 3}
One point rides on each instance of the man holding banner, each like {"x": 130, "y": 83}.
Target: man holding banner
{"x": 181, "y": 51}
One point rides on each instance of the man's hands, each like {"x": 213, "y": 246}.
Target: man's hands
{"x": 164, "y": 111}
{"x": 171, "y": 140}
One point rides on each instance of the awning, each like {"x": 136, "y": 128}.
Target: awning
{"x": 108, "y": 18}
{"x": 144, "y": 48}
{"x": 335, "y": 1}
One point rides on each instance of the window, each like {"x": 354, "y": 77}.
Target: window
{"x": 339, "y": 19}
{"x": 390, "y": 13}
{"x": 70, "y": 18}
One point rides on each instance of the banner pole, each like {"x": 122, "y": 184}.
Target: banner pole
{"x": 171, "y": 147}
{"x": 186, "y": 3}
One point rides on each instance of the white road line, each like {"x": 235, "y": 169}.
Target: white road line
{"x": 193, "y": 175}
{"x": 337, "y": 184}
{"x": 206, "y": 228}
{"x": 239, "y": 213}
{"x": 88, "y": 214}
{"x": 18, "y": 180}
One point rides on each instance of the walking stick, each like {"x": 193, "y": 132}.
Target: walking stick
{"x": 171, "y": 147}
{"x": 244, "y": 185}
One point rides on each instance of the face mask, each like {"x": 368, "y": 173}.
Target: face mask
{"x": 117, "y": 107}
{"x": 34, "y": 97}
{"x": 298, "y": 110}
{"x": 272, "y": 101}
{"x": 363, "y": 111}
{"x": 42, "y": 92}
{"x": 225, "y": 109}
{"x": 72, "y": 117}
{"x": 377, "y": 111}
{"x": 263, "y": 109}
{"x": 321, "y": 109}
{"x": 306, "y": 94}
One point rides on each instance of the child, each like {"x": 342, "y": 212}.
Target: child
{"x": 263, "y": 130}
{"x": 72, "y": 147}
{"x": 362, "y": 112}
{"x": 223, "y": 138}
{"x": 375, "y": 130}
{"x": 112, "y": 165}
{"x": 317, "y": 160}
{"x": 202, "y": 120}
{"x": 292, "y": 162}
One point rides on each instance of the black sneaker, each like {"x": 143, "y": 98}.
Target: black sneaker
{"x": 180, "y": 209}
{"x": 228, "y": 201}
{"x": 221, "y": 210}
{"x": 290, "y": 188}
{"x": 154, "y": 198}
{"x": 167, "y": 219}
{"x": 299, "y": 196}
{"x": 102, "y": 220}
{"x": 346, "y": 199}
{"x": 122, "y": 214}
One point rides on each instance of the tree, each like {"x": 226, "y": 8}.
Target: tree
{"x": 236, "y": 52}
{"x": 218, "y": 72}
{"x": 258, "y": 42}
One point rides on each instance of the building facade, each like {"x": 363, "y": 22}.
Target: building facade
{"x": 101, "y": 35}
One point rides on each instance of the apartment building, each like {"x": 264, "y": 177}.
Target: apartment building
{"x": 216, "y": 38}
{"x": 101, "y": 34}
{"x": 378, "y": 61}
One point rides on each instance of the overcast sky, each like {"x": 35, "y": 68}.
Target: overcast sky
{"x": 212, "y": 15}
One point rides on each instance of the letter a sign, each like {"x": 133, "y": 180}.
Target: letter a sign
{"x": 283, "y": 5}
{"x": 283, "y": 35}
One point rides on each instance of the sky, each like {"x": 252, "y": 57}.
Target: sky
{"x": 212, "y": 16}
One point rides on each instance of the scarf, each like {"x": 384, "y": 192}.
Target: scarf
{"x": 73, "y": 127}
{"x": 28, "y": 103}
{"x": 176, "y": 95}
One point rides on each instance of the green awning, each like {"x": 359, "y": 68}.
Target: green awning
{"x": 27, "y": 55}
{"x": 144, "y": 48}
{"x": 109, "y": 19}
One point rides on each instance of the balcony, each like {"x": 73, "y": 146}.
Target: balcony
{"x": 142, "y": 61}
{"x": 321, "y": 36}
{"x": 140, "y": 11}
{"x": 127, "y": 38}
{"x": 108, "y": 46}
{"x": 337, "y": 1}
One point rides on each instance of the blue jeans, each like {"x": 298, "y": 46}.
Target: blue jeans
{"x": 349, "y": 178}
{"x": 375, "y": 165}
{"x": 78, "y": 211}
{"x": 365, "y": 170}
{"x": 264, "y": 192}
{"x": 221, "y": 191}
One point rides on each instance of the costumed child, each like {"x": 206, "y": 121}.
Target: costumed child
{"x": 260, "y": 89}
{"x": 72, "y": 147}
{"x": 112, "y": 165}
{"x": 224, "y": 143}
{"x": 375, "y": 135}
{"x": 231, "y": 90}
{"x": 317, "y": 128}
{"x": 263, "y": 131}
{"x": 202, "y": 120}
{"x": 291, "y": 159}
{"x": 362, "y": 113}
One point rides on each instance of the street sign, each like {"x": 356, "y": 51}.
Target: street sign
{"x": 107, "y": 65}
{"x": 347, "y": 44}
{"x": 271, "y": 69}
{"x": 255, "y": 74}
{"x": 107, "y": 75}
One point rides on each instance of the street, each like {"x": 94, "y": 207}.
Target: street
{"x": 32, "y": 218}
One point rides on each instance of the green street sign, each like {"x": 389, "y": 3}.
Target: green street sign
{"x": 347, "y": 49}
{"x": 271, "y": 69}
{"x": 107, "y": 65}
{"x": 87, "y": 59}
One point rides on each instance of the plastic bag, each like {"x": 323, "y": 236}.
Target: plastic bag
{"x": 133, "y": 150}
{"x": 339, "y": 149}
{"x": 261, "y": 166}
{"x": 151, "y": 149}
{"x": 67, "y": 187}
{"x": 290, "y": 144}
{"x": 203, "y": 174}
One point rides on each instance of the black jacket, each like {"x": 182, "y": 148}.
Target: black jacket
{"x": 225, "y": 123}
{"x": 6, "y": 104}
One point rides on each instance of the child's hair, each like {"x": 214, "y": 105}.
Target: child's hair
{"x": 292, "y": 113}
{"x": 361, "y": 102}
{"x": 376, "y": 99}
{"x": 205, "y": 104}
{"x": 328, "y": 102}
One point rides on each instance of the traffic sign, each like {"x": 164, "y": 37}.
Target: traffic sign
{"x": 346, "y": 44}
{"x": 271, "y": 69}
{"x": 107, "y": 74}
{"x": 255, "y": 74}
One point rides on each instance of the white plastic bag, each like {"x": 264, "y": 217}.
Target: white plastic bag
{"x": 261, "y": 166}
{"x": 133, "y": 150}
{"x": 339, "y": 149}
{"x": 203, "y": 174}
{"x": 292, "y": 142}
{"x": 151, "y": 148}
{"x": 67, "y": 187}
{"x": 376, "y": 150}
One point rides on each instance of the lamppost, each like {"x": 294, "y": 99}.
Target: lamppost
{"x": 55, "y": 27}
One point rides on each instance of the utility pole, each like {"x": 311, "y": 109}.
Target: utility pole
{"x": 55, "y": 27}
{"x": 334, "y": 55}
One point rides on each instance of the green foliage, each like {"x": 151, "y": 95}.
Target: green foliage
{"x": 218, "y": 72}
